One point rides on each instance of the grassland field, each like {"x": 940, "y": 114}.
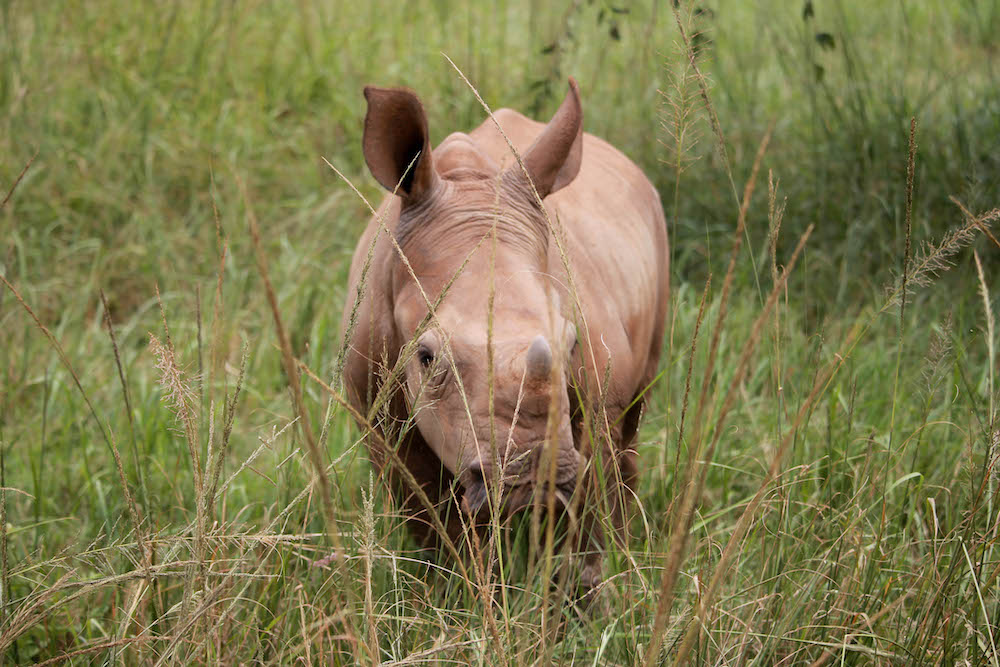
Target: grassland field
{"x": 842, "y": 414}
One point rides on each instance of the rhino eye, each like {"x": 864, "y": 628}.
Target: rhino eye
{"x": 425, "y": 356}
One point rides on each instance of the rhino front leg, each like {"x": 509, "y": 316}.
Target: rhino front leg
{"x": 610, "y": 489}
{"x": 615, "y": 471}
{"x": 589, "y": 559}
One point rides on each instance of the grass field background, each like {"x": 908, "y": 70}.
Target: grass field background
{"x": 848, "y": 512}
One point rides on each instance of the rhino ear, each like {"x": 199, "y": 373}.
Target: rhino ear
{"x": 395, "y": 134}
{"x": 553, "y": 160}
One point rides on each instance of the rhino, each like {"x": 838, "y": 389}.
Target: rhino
{"x": 535, "y": 254}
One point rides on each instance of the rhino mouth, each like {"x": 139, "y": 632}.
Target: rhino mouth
{"x": 520, "y": 490}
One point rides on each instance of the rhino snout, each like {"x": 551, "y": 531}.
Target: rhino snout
{"x": 517, "y": 487}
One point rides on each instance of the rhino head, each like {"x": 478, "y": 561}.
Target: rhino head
{"x": 465, "y": 224}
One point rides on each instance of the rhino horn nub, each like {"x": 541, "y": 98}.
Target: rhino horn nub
{"x": 539, "y": 359}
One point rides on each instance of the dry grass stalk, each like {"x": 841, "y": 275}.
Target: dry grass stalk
{"x": 678, "y": 534}
{"x": 692, "y": 56}
{"x": 775, "y": 216}
{"x": 693, "y": 489}
{"x": 229, "y": 416}
{"x": 683, "y": 104}
{"x": 901, "y": 327}
{"x": 910, "y": 169}
{"x": 4, "y": 564}
{"x": 265, "y": 443}
{"x": 17, "y": 181}
{"x": 852, "y": 637}
{"x": 200, "y": 377}
{"x": 217, "y": 317}
{"x": 43, "y": 603}
{"x": 211, "y": 598}
{"x": 145, "y": 549}
{"x": 984, "y": 292}
{"x": 292, "y": 375}
{"x": 102, "y": 646}
{"x": 126, "y": 395}
{"x": 229, "y": 405}
{"x": 179, "y": 395}
{"x": 749, "y": 512}
{"x": 214, "y": 468}
{"x": 380, "y": 219}
{"x": 970, "y": 217}
{"x": 974, "y": 575}
{"x": 934, "y": 259}
{"x": 727, "y": 283}
{"x": 352, "y": 320}
{"x": 31, "y": 611}
{"x": 368, "y": 544}
{"x": 371, "y": 431}
{"x": 683, "y": 107}
{"x": 547, "y": 463}
{"x": 305, "y": 424}
{"x": 221, "y": 249}
{"x": 62, "y": 357}
{"x": 492, "y": 499}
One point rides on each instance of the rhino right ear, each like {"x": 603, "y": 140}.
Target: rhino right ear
{"x": 395, "y": 137}
{"x": 553, "y": 160}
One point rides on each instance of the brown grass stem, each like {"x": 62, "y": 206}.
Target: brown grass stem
{"x": 292, "y": 375}
{"x": 102, "y": 646}
{"x": 229, "y": 416}
{"x": 679, "y": 532}
{"x": 749, "y": 512}
{"x": 62, "y": 357}
{"x": 692, "y": 56}
{"x": 371, "y": 431}
{"x": 305, "y": 424}
{"x": 852, "y": 637}
{"x": 17, "y": 181}
{"x": 727, "y": 283}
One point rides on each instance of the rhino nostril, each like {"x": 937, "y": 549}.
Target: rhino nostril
{"x": 475, "y": 489}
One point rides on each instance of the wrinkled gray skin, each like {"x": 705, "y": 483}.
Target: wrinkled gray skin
{"x": 546, "y": 352}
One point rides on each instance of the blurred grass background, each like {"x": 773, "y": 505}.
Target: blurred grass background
{"x": 147, "y": 123}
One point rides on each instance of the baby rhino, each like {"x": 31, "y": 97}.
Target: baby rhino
{"x": 543, "y": 268}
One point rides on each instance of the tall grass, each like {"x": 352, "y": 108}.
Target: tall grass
{"x": 181, "y": 484}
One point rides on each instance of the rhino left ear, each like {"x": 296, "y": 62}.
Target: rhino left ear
{"x": 396, "y": 134}
{"x": 553, "y": 160}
